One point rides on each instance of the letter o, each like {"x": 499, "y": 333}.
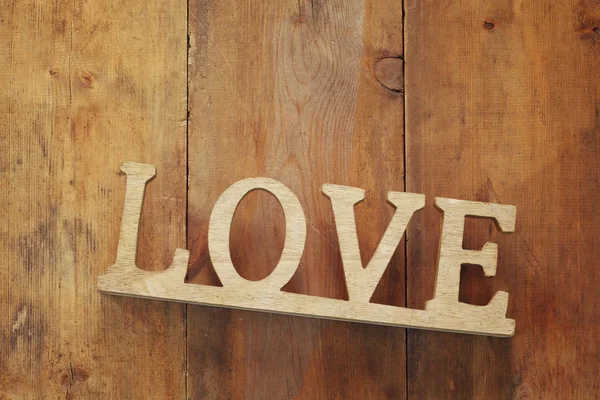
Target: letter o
{"x": 220, "y": 226}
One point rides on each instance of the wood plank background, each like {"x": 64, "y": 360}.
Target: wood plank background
{"x": 291, "y": 91}
{"x": 500, "y": 101}
{"x": 504, "y": 107}
{"x": 85, "y": 85}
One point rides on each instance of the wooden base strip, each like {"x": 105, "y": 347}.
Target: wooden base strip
{"x": 169, "y": 286}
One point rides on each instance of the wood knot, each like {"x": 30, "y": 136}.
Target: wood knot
{"x": 488, "y": 25}
{"x": 589, "y": 33}
{"x": 87, "y": 80}
{"x": 73, "y": 374}
{"x": 389, "y": 72}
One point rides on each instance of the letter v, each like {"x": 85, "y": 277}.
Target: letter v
{"x": 362, "y": 281}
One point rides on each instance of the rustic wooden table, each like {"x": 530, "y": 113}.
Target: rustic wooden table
{"x": 485, "y": 101}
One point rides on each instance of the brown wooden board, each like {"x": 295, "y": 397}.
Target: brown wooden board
{"x": 502, "y": 106}
{"x": 289, "y": 90}
{"x": 83, "y": 86}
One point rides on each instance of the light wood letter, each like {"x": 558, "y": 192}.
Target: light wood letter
{"x": 137, "y": 176}
{"x": 220, "y": 227}
{"x": 362, "y": 281}
{"x": 452, "y": 255}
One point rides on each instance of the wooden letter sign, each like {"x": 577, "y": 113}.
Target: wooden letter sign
{"x": 444, "y": 312}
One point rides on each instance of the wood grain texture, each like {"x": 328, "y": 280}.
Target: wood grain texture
{"x": 84, "y": 85}
{"x": 502, "y": 105}
{"x": 287, "y": 90}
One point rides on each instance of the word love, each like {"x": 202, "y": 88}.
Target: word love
{"x": 444, "y": 312}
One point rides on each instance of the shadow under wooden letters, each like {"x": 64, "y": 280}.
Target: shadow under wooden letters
{"x": 444, "y": 312}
